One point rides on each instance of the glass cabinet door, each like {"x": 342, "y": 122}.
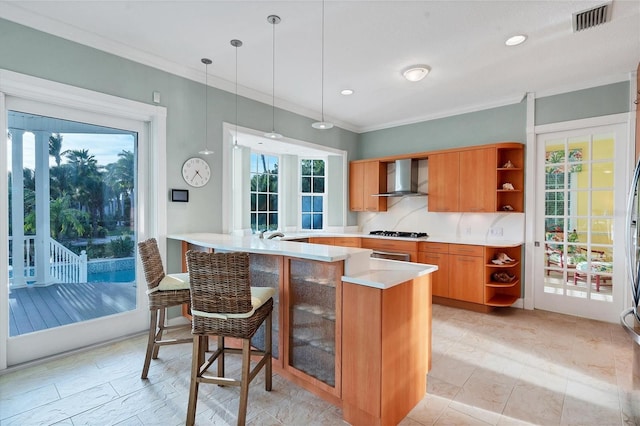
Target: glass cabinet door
{"x": 312, "y": 318}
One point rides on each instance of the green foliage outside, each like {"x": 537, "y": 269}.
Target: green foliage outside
{"x": 80, "y": 191}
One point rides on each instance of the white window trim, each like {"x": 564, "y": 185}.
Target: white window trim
{"x": 325, "y": 198}
{"x": 152, "y": 203}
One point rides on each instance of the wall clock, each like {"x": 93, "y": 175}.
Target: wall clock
{"x": 196, "y": 172}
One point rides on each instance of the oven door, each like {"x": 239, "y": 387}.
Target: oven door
{"x": 405, "y": 257}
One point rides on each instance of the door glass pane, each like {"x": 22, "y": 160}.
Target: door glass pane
{"x": 72, "y": 228}
{"x": 578, "y": 217}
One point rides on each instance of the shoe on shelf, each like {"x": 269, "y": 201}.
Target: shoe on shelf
{"x": 504, "y": 258}
{"x": 502, "y": 277}
{"x": 507, "y": 186}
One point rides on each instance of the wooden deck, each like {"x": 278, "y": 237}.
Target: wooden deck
{"x": 38, "y": 308}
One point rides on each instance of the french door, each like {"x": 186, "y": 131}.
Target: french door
{"x": 81, "y": 201}
{"x": 580, "y": 209}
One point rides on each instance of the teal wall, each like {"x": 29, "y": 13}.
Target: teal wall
{"x": 38, "y": 54}
{"x": 587, "y": 103}
{"x": 506, "y": 123}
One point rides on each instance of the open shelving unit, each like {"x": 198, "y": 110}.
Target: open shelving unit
{"x": 500, "y": 294}
{"x": 513, "y": 153}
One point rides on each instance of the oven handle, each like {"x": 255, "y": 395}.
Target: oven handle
{"x": 406, "y": 257}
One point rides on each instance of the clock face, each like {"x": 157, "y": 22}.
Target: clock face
{"x": 196, "y": 172}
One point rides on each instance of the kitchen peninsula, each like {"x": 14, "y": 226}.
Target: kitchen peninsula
{"x": 354, "y": 330}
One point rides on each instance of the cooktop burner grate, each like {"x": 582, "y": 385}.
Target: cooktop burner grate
{"x": 400, "y": 234}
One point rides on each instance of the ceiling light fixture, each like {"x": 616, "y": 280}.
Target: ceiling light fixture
{"x": 516, "y": 40}
{"x": 273, "y": 20}
{"x": 236, "y": 43}
{"x": 346, "y": 92}
{"x": 206, "y": 150}
{"x": 416, "y": 72}
{"x": 322, "y": 125}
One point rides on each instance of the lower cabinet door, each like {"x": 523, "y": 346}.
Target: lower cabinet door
{"x": 440, "y": 278}
{"x": 466, "y": 278}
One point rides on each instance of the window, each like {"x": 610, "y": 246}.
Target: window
{"x": 312, "y": 193}
{"x": 264, "y": 192}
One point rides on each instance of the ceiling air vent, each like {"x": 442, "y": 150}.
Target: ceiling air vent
{"x": 592, "y": 17}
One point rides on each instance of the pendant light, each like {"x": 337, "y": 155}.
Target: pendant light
{"x": 236, "y": 43}
{"x": 206, "y": 150}
{"x": 273, "y": 20}
{"x": 322, "y": 125}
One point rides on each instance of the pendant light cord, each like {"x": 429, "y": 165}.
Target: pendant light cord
{"x": 322, "y": 68}
{"x": 273, "y": 81}
{"x": 236, "y": 141}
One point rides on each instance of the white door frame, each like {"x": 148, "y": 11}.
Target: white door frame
{"x": 151, "y": 220}
{"x": 532, "y": 273}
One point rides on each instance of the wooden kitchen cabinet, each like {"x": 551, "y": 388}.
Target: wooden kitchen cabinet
{"x": 496, "y": 291}
{"x": 436, "y": 254}
{"x": 367, "y": 178}
{"x": 512, "y": 156}
{"x": 471, "y": 179}
{"x": 444, "y": 182}
{"x": 466, "y": 273}
{"x": 477, "y": 180}
{"x": 386, "y": 350}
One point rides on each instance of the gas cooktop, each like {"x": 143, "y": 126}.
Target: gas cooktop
{"x": 400, "y": 234}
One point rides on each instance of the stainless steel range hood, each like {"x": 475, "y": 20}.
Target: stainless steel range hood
{"x": 406, "y": 182}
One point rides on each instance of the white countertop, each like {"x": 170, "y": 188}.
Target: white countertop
{"x": 359, "y": 268}
{"x": 450, "y": 239}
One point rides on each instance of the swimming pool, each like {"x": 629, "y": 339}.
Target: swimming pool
{"x": 122, "y": 276}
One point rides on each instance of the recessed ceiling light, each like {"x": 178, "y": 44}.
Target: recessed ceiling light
{"x": 416, "y": 72}
{"x": 516, "y": 40}
{"x": 346, "y": 92}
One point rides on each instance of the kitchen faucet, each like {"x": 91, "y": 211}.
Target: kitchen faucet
{"x": 275, "y": 234}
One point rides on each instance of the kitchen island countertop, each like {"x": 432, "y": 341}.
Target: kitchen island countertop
{"x": 359, "y": 268}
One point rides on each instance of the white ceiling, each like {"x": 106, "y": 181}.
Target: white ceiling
{"x": 367, "y": 44}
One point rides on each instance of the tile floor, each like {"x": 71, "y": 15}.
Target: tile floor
{"x": 511, "y": 367}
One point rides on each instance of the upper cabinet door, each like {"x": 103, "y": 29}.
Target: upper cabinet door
{"x": 478, "y": 180}
{"x": 444, "y": 182}
{"x": 375, "y": 182}
{"x": 366, "y": 179}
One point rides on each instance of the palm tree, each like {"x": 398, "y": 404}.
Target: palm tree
{"x": 86, "y": 179}
{"x": 55, "y": 145}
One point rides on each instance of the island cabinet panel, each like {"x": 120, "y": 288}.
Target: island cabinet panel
{"x": 367, "y": 178}
{"x": 478, "y": 180}
{"x": 312, "y": 322}
{"x": 386, "y": 350}
{"x": 444, "y": 182}
{"x": 466, "y": 273}
{"x": 436, "y": 254}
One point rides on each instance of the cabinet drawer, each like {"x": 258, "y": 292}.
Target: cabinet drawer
{"x": 466, "y": 250}
{"x": 433, "y": 247}
{"x": 390, "y": 245}
{"x": 346, "y": 241}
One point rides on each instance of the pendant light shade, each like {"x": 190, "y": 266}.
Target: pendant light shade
{"x": 236, "y": 43}
{"x": 322, "y": 125}
{"x": 273, "y": 20}
{"x": 206, "y": 150}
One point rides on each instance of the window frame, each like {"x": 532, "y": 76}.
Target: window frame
{"x": 324, "y": 194}
{"x": 278, "y": 212}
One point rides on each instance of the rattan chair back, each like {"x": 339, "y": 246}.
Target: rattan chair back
{"x": 151, "y": 262}
{"x": 220, "y": 284}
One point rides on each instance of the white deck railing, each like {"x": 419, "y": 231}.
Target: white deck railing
{"x": 65, "y": 266}
{"x": 60, "y": 265}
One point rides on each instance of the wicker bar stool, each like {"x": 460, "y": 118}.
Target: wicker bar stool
{"x": 163, "y": 291}
{"x": 225, "y": 305}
